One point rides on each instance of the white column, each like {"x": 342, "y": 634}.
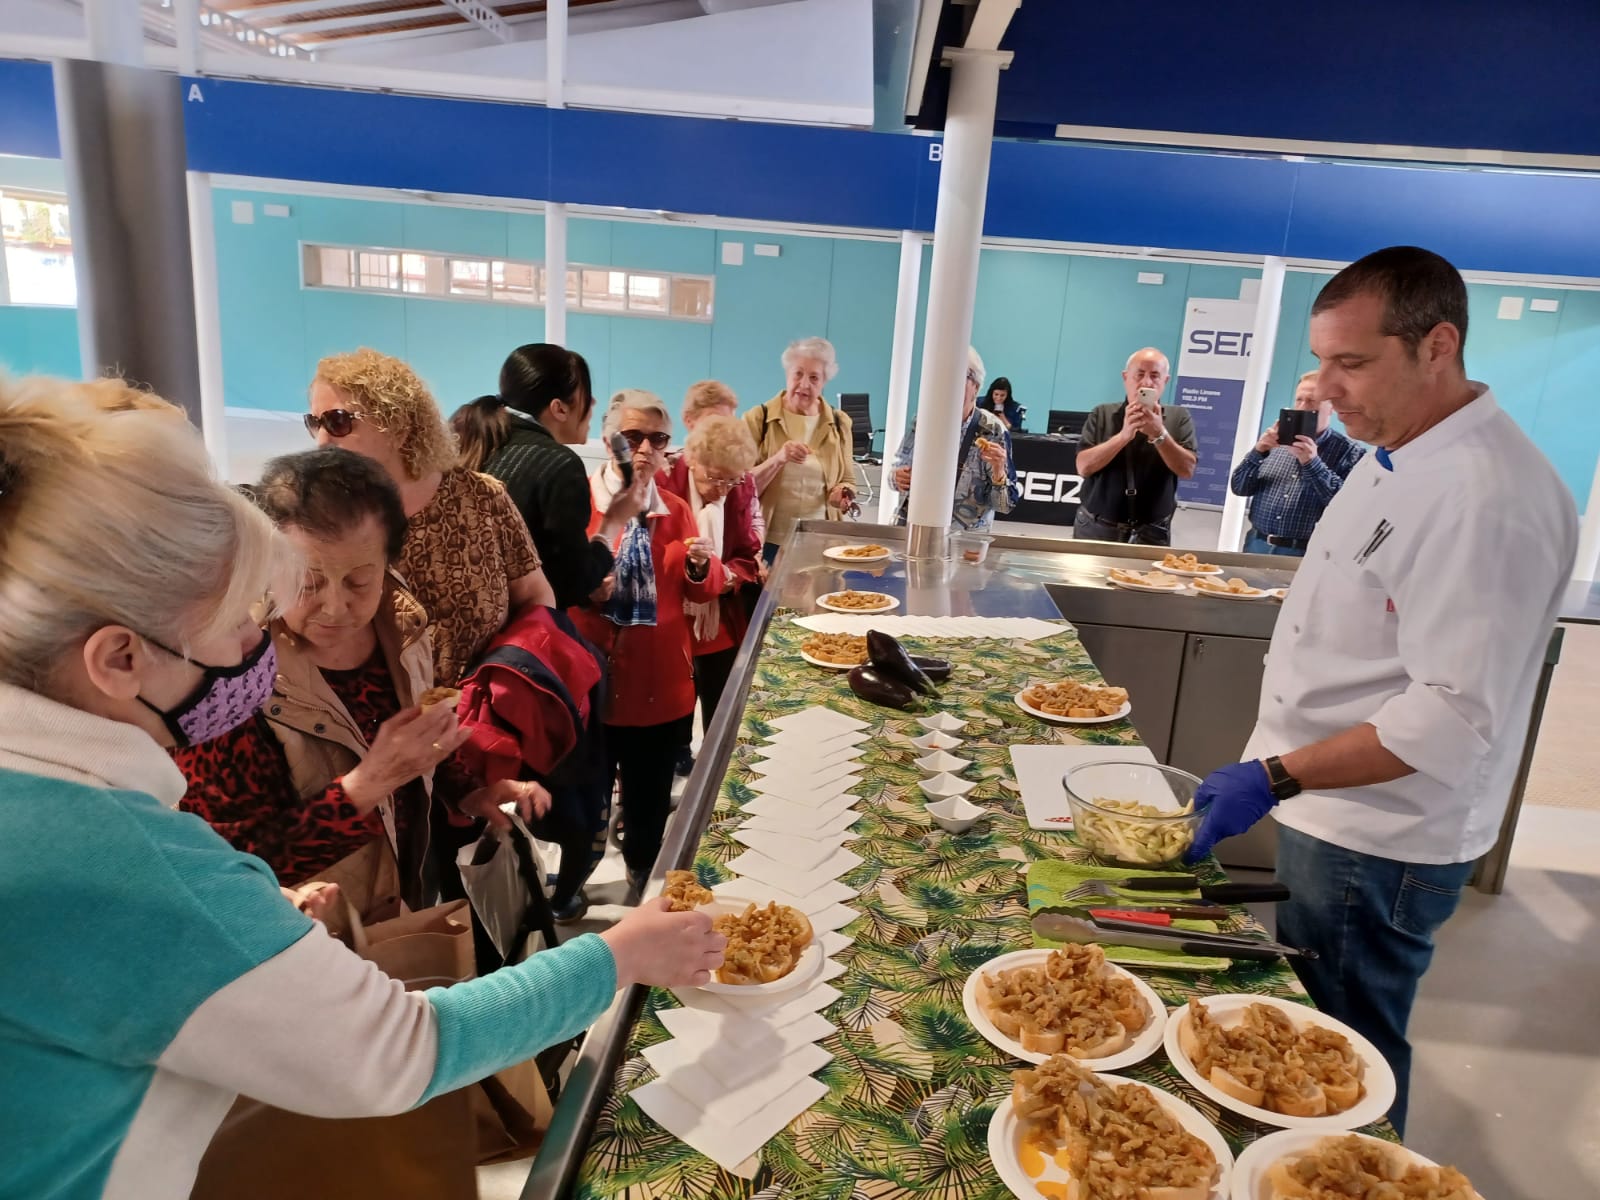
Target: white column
{"x": 555, "y": 273}
{"x": 905, "y": 341}
{"x": 555, "y": 214}
{"x": 186, "y": 19}
{"x": 207, "y": 318}
{"x": 952, "y": 289}
{"x": 115, "y": 31}
{"x": 1588, "y": 561}
{"x": 1269, "y": 303}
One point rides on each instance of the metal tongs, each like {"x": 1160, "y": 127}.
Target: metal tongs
{"x": 1060, "y": 927}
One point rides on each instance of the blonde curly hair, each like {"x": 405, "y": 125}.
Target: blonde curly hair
{"x": 722, "y": 444}
{"x": 707, "y": 394}
{"x": 389, "y": 392}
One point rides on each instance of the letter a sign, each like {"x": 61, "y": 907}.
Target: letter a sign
{"x": 195, "y": 94}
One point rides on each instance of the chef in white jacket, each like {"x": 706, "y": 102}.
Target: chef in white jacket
{"x": 1402, "y": 669}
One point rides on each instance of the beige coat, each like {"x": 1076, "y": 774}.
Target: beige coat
{"x": 321, "y": 741}
{"x": 832, "y": 449}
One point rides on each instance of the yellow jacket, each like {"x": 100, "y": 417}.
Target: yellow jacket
{"x": 832, "y": 445}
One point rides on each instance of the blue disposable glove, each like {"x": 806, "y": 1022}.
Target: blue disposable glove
{"x": 1232, "y": 799}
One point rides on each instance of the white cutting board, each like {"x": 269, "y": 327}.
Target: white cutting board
{"x": 1039, "y": 770}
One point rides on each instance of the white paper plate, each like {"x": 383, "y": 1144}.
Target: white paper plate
{"x": 1146, "y": 587}
{"x": 1378, "y": 1079}
{"x": 1278, "y": 593}
{"x": 1127, "y": 707}
{"x": 1005, "y": 1135}
{"x": 1141, "y": 1048}
{"x": 1261, "y": 594}
{"x": 837, "y": 553}
{"x": 825, "y": 664}
{"x": 805, "y": 970}
{"x": 1250, "y": 1172}
{"x": 1214, "y": 570}
{"x": 823, "y": 602}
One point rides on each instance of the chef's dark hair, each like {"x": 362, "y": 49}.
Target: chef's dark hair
{"x": 1419, "y": 289}
{"x": 329, "y": 492}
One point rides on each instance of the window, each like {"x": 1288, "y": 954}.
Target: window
{"x": 516, "y": 282}
{"x": 604, "y": 290}
{"x": 376, "y": 270}
{"x": 691, "y": 298}
{"x": 469, "y": 277}
{"x": 38, "y": 249}
{"x": 613, "y": 290}
{"x": 648, "y": 293}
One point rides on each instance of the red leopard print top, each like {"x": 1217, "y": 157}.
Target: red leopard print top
{"x": 241, "y": 785}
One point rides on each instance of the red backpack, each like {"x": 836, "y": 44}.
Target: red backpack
{"x": 531, "y": 699}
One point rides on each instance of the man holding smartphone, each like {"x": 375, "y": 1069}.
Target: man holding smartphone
{"x": 1290, "y": 482}
{"x": 1131, "y": 455}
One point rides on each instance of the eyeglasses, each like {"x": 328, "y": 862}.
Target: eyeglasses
{"x": 972, "y": 378}
{"x": 721, "y": 481}
{"x": 636, "y": 437}
{"x": 339, "y": 422}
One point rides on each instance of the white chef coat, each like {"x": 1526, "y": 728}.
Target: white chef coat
{"x": 1436, "y": 636}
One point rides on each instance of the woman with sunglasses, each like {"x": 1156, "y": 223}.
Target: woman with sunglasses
{"x": 468, "y": 557}
{"x": 662, "y": 563}
{"x": 713, "y": 475}
{"x": 152, "y": 972}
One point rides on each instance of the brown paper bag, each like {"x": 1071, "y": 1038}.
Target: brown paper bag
{"x": 369, "y": 881}
{"x": 429, "y": 1153}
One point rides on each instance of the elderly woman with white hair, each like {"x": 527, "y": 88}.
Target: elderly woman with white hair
{"x": 807, "y": 471}
{"x": 986, "y": 476}
{"x": 662, "y": 562}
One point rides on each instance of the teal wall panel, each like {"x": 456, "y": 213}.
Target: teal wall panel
{"x": 35, "y": 340}
{"x": 861, "y": 292}
{"x": 763, "y": 305}
{"x": 1108, "y": 315}
{"x": 1016, "y": 324}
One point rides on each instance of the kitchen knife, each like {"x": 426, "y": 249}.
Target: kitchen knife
{"x": 1129, "y": 912}
{"x": 1221, "y": 893}
{"x": 1061, "y": 928}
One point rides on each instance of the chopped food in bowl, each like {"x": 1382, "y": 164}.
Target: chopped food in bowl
{"x": 1133, "y": 814}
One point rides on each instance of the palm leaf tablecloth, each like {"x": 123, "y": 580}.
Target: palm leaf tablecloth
{"x": 912, "y": 1085}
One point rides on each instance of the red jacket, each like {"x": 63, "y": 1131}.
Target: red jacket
{"x": 741, "y": 550}
{"x": 650, "y": 666}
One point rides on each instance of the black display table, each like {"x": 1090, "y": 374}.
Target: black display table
{"x": 1047, "y": 470}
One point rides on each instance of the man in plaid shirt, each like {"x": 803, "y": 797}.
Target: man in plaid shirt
{"x": 1289, "y": 486}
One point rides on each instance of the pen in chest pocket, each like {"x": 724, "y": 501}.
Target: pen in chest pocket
{"x": 1379, "y": 536}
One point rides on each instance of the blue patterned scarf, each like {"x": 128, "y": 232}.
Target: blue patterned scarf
{"x": 633, "y": 596}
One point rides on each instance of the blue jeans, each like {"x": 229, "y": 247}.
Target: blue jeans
{"x": 1138, "y": 533}
{"x": 1371, "y": 921}
{"x": 1254, "y": 543}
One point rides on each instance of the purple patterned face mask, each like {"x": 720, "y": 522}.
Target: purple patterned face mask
{"x": 224, "y": 699}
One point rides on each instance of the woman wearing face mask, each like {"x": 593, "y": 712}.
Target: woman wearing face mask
{"x": 153, "y": 972}
{"x": 662, "y": 562}
{"x": 342, "y": 755}
{"x": 710, "y": 475}
{"x": 807, "y": 471}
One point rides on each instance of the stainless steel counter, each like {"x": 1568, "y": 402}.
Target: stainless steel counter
{"x": 1177, "y": 655}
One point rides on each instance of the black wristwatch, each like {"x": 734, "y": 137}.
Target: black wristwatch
{"x": 1283, "y": 784}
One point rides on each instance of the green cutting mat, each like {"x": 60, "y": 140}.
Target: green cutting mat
{"x": 1050, "y": 879}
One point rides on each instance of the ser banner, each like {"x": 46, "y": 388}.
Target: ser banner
{"x": 1210, "y": 384}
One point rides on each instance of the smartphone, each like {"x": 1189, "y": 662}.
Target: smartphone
{"x": 622, "y": 455}
{"x": 1295, "y": 422}
{"x": 1149, "y": 396}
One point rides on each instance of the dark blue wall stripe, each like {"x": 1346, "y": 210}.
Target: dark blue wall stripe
{"x": 1503, "y": 74}
{"x": 28, "y": 110}
{"x": 1482, "y": 220}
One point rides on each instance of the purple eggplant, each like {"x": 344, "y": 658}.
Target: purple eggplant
{"x": 875, "y": 687}
{"x": 891, "y": 659}
{"x": 936, "y": 669}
